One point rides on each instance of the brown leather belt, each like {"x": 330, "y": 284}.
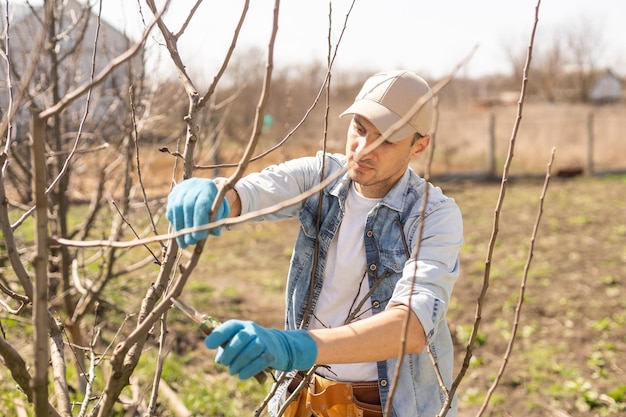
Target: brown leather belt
{"x": 330, "y": 398}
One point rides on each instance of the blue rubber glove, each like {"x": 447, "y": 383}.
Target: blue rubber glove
{"x": 189, "y": 204}
{"x": 247, "y": 348}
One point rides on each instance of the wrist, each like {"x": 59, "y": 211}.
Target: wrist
{"x": 302, "y": 349}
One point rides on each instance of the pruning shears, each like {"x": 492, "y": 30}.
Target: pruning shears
{"x": 207, "y": 324}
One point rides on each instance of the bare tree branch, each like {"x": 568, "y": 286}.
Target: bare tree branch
{"x": 99, "y": 78}
{"x": 40, "y": 288}
{"x": 496, "y": 220}
{"x": 59, "y": 372}
{"x": 209, "y": 226}
{"x": 520, "y": 301}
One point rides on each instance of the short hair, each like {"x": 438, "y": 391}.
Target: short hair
{"x": 416, "y": 136}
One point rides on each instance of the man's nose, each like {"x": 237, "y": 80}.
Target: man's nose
{"x": 360, "y": 144}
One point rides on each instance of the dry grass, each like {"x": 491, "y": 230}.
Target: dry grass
{"x": 567, "y": 356}
{"x": 461, "y": 144}
{"x": 463, "y": 137}
{"x": 570, "y": 347}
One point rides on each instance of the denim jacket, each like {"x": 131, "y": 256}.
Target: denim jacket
{"x": 425, "y": 284}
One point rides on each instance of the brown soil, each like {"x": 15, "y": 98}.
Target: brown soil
{"x": 567, "y": 359}
{"x": 568, "y": 354}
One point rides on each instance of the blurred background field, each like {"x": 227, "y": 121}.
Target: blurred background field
{"x": 567, "y": 358}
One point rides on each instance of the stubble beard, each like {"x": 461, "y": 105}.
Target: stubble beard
{"x": 364, "y": 179}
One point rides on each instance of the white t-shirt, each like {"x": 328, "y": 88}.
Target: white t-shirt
{"x": 346, "y": 284}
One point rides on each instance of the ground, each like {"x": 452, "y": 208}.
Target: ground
{"x": 567, "y": 358}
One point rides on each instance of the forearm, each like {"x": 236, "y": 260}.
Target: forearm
{"x": 370, "y": 340}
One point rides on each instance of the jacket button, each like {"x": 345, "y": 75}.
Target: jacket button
{"x": 373, "y": 267}
{"x": 383, "y": 383}
{"x": 375, "y": 304}
{"x": 370, "y": 233}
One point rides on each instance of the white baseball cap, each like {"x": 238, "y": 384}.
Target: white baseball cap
{"x": 388, "y": 96}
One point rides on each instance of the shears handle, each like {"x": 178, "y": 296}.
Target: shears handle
{"x": 208, "y": 325}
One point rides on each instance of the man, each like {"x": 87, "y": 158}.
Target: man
{"x": 353, "y": 279}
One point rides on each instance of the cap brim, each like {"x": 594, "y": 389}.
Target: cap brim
{"x": 381, "y": 117}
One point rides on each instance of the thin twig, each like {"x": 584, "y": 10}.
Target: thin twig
{"x": 130, "y": 226}
{"x": 91, "y": 375}
{"x": 135, "y": 136}
{"x": 121, "y": 59}
{"x": 258, "y": 117}
{"x": 496, "y": 220}
{"x": 322, "y": 89}
{"x": 434, "y": 90}
{"x": 415, "y": 251}
{"x": 59, "y": 371}
{"x": 209, "y": 94}
{"x": 220, "y": 223}
{"x": 520, "y": 301}
{"x": 73, "y": 95}
{"x": 175, "y": 405}
{"x": 156, "y": 384}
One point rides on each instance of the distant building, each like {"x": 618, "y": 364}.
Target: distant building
{"x": 607, "y": 88}
{"x": 76, "y": 28}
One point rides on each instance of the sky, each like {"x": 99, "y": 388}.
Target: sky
{"x": 431, "y": 37}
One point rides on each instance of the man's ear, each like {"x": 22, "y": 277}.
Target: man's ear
{"x": 420, "y": 145}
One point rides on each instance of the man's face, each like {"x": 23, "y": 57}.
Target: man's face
{"x": 377, "y": 171}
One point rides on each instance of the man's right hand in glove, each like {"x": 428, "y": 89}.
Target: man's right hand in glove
{"x": 189, "y": 204}
{"x": 248, "y": 348}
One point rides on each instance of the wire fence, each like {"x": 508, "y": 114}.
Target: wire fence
{"x": 472, "y": 143}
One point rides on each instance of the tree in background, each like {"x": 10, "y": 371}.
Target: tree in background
{"x": 69, "y": 136}
{"x": 565, "y": 64}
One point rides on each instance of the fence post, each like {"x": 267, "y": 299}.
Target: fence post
{"x": 590, "y": 169}
{"x": 491, "y": 147}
